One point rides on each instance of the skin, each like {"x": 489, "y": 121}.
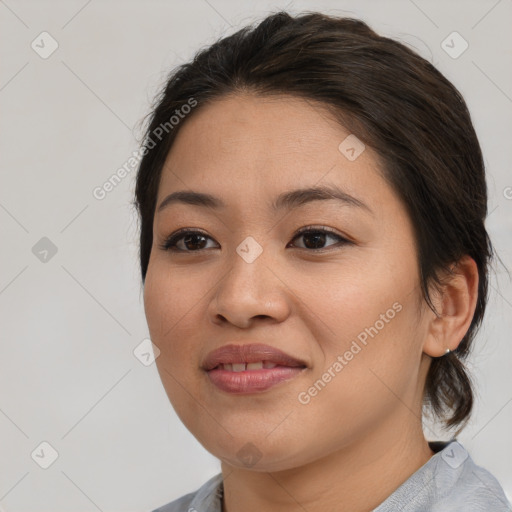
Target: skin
{"x": 360, "y": 437}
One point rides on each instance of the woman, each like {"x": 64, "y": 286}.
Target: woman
{"x": 312, "y": 200}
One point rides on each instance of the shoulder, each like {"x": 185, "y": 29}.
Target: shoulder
{"x": 207, "y": 497}
{"x": 449, "y": 482}
{"x": 461, "y": 484}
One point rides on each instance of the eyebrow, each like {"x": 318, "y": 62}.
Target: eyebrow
{"x": 288, "y": 200}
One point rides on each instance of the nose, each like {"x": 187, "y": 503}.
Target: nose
{"x": 250, "y": 291}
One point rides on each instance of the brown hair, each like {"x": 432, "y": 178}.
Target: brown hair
{"x": 394, "y": 101}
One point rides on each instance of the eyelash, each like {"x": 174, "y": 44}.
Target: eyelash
{"x": 171, "y": 241}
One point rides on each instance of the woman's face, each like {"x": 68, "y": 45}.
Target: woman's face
{"x": 347, "y": 311}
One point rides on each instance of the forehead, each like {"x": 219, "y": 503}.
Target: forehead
{"x": 248, "y": 126}
{"x": 244, "y": 146}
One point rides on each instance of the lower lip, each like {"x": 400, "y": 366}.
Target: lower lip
{"x": 252, "y": 381}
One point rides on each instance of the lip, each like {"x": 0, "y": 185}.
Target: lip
{"x": 251, "y": 381}
{"x": 252, "y": 353}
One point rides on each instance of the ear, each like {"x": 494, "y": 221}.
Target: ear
{"x": 455, "y": 306}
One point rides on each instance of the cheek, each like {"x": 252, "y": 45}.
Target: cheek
{"x": 169, "y": 306}
{"x": 170, "y": 318}
{"x": 364, "y": 382}
{"x": 371, "y": 314}
{"x": 358, "y": 299}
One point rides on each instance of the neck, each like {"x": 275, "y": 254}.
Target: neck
{"x": 359, "y": 476}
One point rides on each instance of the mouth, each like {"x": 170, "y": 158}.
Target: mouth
{"x": 238, "y": 358}
{"x": 243, "y": 369}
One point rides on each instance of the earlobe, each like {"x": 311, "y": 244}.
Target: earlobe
{"x": 455, "y": 306}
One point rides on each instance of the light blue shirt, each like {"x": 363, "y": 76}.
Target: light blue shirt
{"x": 448, "y": 482}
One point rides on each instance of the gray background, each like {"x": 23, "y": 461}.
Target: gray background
{"x": 70, "y": 321}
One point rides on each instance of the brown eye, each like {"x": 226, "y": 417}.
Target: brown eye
{"x": 186, "y": 241}
{"x": 315, "y": 238}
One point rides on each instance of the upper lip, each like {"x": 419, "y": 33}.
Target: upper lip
{"x": 249, "y": 354}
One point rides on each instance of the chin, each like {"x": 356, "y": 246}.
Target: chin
{"x": 260, "y": 454}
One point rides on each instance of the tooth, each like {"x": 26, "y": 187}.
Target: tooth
{"x": 268, "y": 364}
{"x": 255, "y": 366}
{"x": 238, "y": 367}
{"x": 228, "y": 366}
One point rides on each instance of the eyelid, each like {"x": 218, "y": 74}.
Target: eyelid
{"x": 319, "y": 228}
{"x": 170, "y": 241}
{"x": 342, "y": 239}
{"x": 174, "y": 237}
